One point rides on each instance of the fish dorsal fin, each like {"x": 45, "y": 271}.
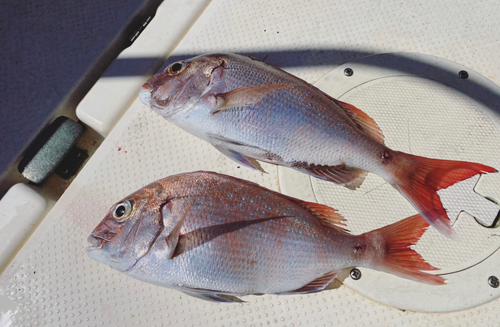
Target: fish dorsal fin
{"x": 361, "y": 119}
{"x": 319, "y": 283}
{"x": 327, "y": 216}
{"x": 364, "y": 122}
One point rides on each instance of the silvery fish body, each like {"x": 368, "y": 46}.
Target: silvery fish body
{"x": 211, "y": 235}
{"x": 252, "y": 111}
{"x": 266, "y": 116}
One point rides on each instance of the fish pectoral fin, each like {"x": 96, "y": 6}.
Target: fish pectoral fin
{"x": 244, "y": 96}
{"x": 172, "y": 238}
{"x": 211, "y": 295}
{"x": 327, "y": 216}
{"x": 350, "y": 177}
{"x": 319, "y": 283}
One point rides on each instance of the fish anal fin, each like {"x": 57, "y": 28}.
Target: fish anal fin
{"x": 350, "y": 177}
{"x": 318, "y": 284}
{"x": 244, "y": 96}
{"x": 327, "y": 216}
{"x": 361, "y": 119}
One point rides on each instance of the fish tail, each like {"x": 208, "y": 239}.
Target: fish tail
{"x": 394, "y": 255}
{"x": 419, "y": 179}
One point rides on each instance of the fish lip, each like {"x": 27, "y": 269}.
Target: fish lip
{"x": 146, "y": 96}
{"x": 96, "y": 243}
{"x": 147, "y": 86}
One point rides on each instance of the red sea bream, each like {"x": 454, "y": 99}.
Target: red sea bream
{"x": 211, "y": 235}
{"x": 252, "y": 111}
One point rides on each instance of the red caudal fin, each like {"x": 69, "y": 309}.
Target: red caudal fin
{"x": 419, "y": 179}
{"x": 395, "y": 255}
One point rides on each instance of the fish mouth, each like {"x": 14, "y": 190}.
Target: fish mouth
{"x": 96, "y": 243}
{"x": 146, "y": 94}
{"x": 97, "y": 252}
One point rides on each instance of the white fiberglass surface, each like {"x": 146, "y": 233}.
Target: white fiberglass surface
{"x": 52, "y": 282}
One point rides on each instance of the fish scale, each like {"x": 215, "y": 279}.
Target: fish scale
{"x": 251, "y": 111}
{"x": 287, "y": 110}
{"x": 286, "y": 231}
{"x": 211, "y": 235}
{"x": 290, "y": 148}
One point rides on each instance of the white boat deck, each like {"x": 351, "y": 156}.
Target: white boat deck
{"x": 418, "y": 99}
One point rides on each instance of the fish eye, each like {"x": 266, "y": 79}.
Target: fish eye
{"x": 123, "y": 210}
{"x": 176, "y": 68}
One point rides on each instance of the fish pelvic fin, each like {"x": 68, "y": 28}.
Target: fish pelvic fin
{"x": 244, "y": 96}
{"x": 361, "y": 119}
{"x": 419, "y": 179}
{"x": 211, "y": 296}
{"x": 394, "y": 255}
{"x": 350, "y": 177}
{"x": 240, "y": 158}
{"x": 327, "y": 216}
{"x": 318, "y": 284}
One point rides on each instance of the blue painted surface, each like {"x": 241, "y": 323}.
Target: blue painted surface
{"x": 46, "y": 48}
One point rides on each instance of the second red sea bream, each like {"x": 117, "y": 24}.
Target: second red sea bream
{"x": 211, "y": 235}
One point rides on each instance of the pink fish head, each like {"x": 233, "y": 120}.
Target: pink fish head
{"x": 128, "y": 230}
{"x": 180, "y": 84}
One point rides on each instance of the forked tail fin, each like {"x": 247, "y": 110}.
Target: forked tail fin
{"x": 394, "y": 254}
{"x": 420, "y": 178}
